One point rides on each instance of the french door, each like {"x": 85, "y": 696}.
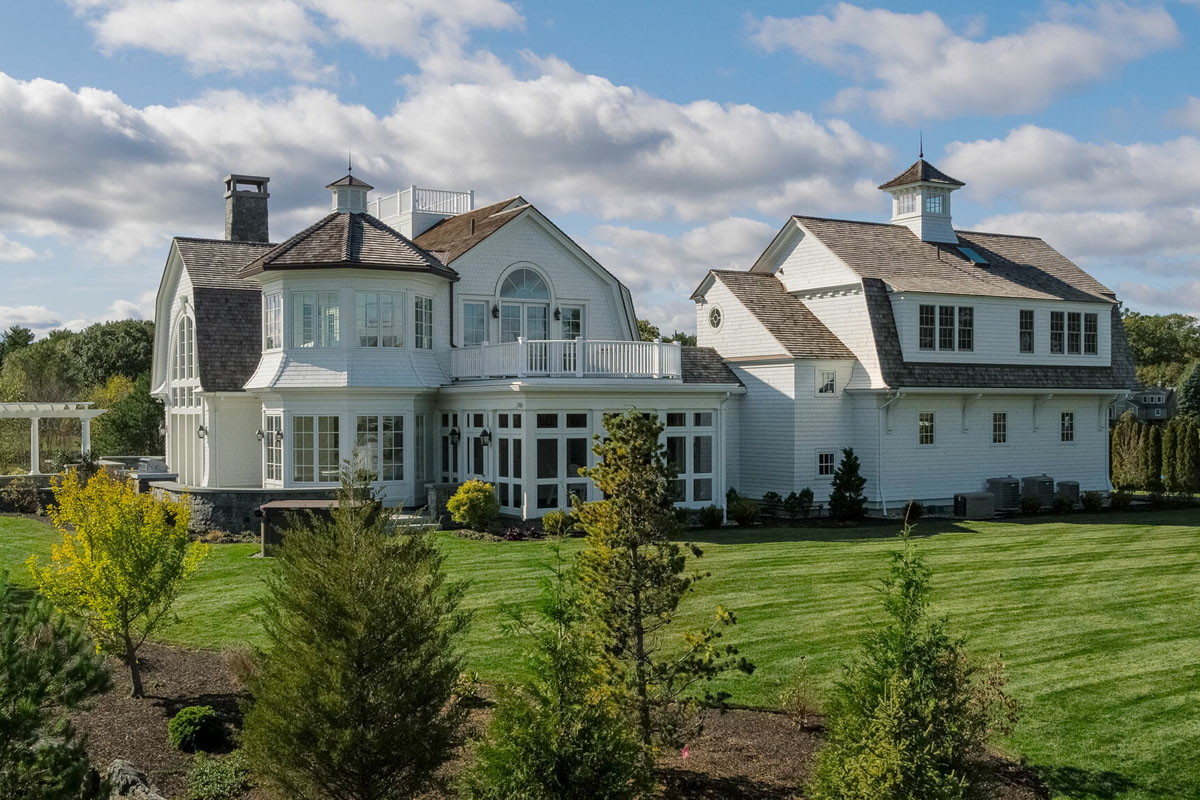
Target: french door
{"x": 509, "y": 461}
{"x": 524, "y": 320}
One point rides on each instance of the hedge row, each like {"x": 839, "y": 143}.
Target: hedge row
{"x": 1156, "y": 458}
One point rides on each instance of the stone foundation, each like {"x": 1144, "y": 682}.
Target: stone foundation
{"x": 231, "y": 510}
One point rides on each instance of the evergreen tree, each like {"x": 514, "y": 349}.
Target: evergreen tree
{"x": 353, "y": 698}
{"x": 1187, "y": 394}
{"x": 1154, "y": 459}
{"x": 912, "y": 712}
{"x": 633, "y": 578}
{"x": 1189, "y": 456}
{"x": 562, "y": 735}
{"x": 846, "y": 498}
{"x": 1125, "y": 452}
{"x": 1169, "y": 456}
{"x": 47, "y": 668}
{"x": 13, "y": 340}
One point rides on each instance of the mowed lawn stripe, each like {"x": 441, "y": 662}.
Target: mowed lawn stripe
{"x": 1097, "y": 619}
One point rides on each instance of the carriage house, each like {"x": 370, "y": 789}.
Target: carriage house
{"x": 430, "y": 342}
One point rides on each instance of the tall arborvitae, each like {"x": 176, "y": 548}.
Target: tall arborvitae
{"x": 354, "y": 693}
{"x": 1170, "y": 458}
{"x": 1189, "y": 456}
{"x": 632, "y": 579}
{"x": 1154, "y": 459}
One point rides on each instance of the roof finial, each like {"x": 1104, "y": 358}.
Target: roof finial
{"x": 349, "y": 164}
{"x": 921, "y": 154}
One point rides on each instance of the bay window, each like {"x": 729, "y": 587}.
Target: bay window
{"x": 379, "y": 319}
{"x": 272, "y": 322}
{"x": 315, "y": 449}
{"x": 379, "y": 446}
{"x": 423, "y": 323}
{"x": 315, "y": 319}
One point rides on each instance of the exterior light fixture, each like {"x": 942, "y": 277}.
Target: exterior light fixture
{"x": 279, "y": 438}
{"x": 557, "y": 314}
{"x": 495, "y": 311}
{"x": 258, "y": 434}
{"x": 455, "y": 436}
{"x": 485, "y": 437}
{"x": 202, "y": 432}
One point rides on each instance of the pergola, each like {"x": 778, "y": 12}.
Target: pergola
{"x": 34, "y": 412}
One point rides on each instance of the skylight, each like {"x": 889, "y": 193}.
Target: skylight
{"x": 971, "y": 254}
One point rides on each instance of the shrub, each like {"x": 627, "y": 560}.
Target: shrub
{"x": 474, "y": 505}
{"x": 1092, "y": 501}
{"x": 772, "y": 504}
{"x": 846, "y": 498}
{"x": 559, "y": 523}
{"x": 683, "y": 517}
{"x": 242, "y": 666}
{"x": 1120, "y": 500}
{"x": 744, "y": 511}
{"x": 912, "y": 713}
{"x": 195, "y": 728}
{"x": 913, "y": 511}
{"x": 799, "y": 698}
{"x": 1031, "y": 504}
{"x": 711, "y": 516}
{"x": 1063, "y": 505}
{"x": 218, "y": 778}
{"x": 21, "y": 495}
{"x": 798, "y": 505}
{"x": 514, "y": 533}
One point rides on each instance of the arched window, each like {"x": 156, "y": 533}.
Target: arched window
{"x": 524, "y": 284}
{"x": 183, "y": 357}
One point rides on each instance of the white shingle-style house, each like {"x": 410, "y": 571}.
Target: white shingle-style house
{"x": 943, "y": 357}
{"x": 431, "y": 342}
{"x": 420, "y": 337}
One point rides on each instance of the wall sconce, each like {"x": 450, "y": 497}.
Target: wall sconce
{"x": 557, "y": 314}
{"x": 495, "y": 311}
{"x": 485, "y": 437}
{"x": 455, "y": 437}
{"x": 279, "y": 438}
{"x": 202, "y": 432}
{"x": 258, "y": 434}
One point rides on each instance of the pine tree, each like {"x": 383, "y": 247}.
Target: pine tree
{"x": 912, "y": 712}
{"x": 846, "y": 498}
{"x": 561, "y": 734}
{"x": 633, "y": 577}
{"x": 47, "y": 668}
{"x": 353, "y": 698}
{"x": 1187, "y": 394}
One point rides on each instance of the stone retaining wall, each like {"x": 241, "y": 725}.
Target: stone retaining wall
{"x": 231, "y": 510}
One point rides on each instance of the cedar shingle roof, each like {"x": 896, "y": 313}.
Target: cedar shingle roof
{"x": 214, "y": 263}
{"x": 1018, "y": 266}
{"x": 454, "y": 236}
{"x": 897, "y": 373}
{"x": 705, "y": 365}
{"x": 783, "y": 315}
{"x": 343, "y": 239}
{"x": 921, "y": 170}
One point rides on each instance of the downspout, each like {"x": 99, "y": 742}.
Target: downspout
{"x": 879, "y": 450}
{"x": 722, "y": 486}
{"x": 452, "y": 311}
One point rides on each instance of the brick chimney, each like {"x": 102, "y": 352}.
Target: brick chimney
{"x": 246, "y": 208}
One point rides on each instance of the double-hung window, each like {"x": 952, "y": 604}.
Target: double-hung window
{"x": 474, "y": 323}
{"x": 315, "y": 449}
{"x": 1091, "y": 340}
{"x": 1074, "y": 332}
{"x": 828, "y": 382}
{"x": 379, "y": 318}
{"x": 423, "y": 323}
{"x": 1067, "y": 426}
{"x": 273, "y": 447}
{"x": 572, "y": 322}
{"x": 1058, "y": 330}
{"x": 315, "y": 319}
{"x": 999, "y": 427}
{"x": 945, "y": 327}
{"x": 1026, "y": 330}
{"x": 925, "y": 427}
{"x": 966, "y": 328}
{"x": 825, "y": 463}
{"x": 926, "y": 332}
{"x": 272, "y": 322}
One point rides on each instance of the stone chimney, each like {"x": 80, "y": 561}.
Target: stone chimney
{"x": 246, "y": 208}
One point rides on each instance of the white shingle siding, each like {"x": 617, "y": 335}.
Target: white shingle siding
{"x": 740, "y": 334}
{"x": 824, "y": 423}
{"x": 808, "y": 264}
{"x": 768, "y": 412}
{"x": 234, "y": 452}
{"x": 997, "y": 328}
{"x": 844, "y": 312}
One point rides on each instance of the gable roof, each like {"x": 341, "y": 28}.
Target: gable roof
{"x": 454, "y": 236}
{"x": 215, "y": 263}
{"x": 783, "y": 315}
{"x": 344, "y": 239}
{"x": 705, "y": 365}
{"x": 898, "y": 373}
{"x": 921, "y": 171}
{"x": 1018, "y": 266}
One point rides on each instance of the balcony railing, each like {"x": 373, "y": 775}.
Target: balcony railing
{"x": 578, "y": 358}
{"x": 415, "y": 199}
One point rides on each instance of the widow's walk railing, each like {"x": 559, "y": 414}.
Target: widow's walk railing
{"x": 580, "y": 358}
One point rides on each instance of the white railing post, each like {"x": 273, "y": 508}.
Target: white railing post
{"x": 580, "y": 350}
{"x": 658, "y": 358}
{"x": 522, "y": 357}
{"x": 483, "y": 349}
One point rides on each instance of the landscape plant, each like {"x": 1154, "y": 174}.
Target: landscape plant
{"x": 772, "y": 504}
{"x": 474, "y": 504}
{"x": 559, "y": 523}
{"x": 798, "y": 504}
{"x": 1187, "y": 395}
{"x": 1170, "y": 456}
{"x": 633, "y": 576}
{"x": 912, "y": 713}
{"x": 562, "y": 732}
{"x": 21, "y": 495}
{"x": 120, "y": 564}
{"x": 218, "y": 778}
{"x": 846, "y": 498}
{"x": 48, "y": 669}
{"x": 1154, "y": 459}
{"x": 744, "y": 511}
{"x": 711, "y": 516}
{"x": 195, "y": 728}
{"x": 1031, "y": 505}
{"x": 353, "y": 697}
{"x": 1092, "y": 501}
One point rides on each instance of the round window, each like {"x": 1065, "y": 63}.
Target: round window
{"x": 714, "y": 317}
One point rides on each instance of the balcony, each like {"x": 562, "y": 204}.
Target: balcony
{"x": 568, "y": 358}
{"x": 415, "y": 200}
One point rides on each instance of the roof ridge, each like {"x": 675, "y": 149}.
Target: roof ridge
{"x": 851, "y": 221}
{"x": 293, "y": 240}
{"x": 1005, "y": 235}
{"x": 224, "y": 241}
{"x": 380, "y": 225}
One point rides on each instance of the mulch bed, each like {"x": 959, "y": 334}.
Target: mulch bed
{"x": 742, "y": 755}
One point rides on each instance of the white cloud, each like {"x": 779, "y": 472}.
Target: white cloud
{"x": 911, "y": 67}
{"x": 41, "y": 320}
{"x": 14, "y": 251}
{"x": 1187, "y": 115}
{"x": 38, "y": 318}
{"x": 241, "y": 37}
{"x": 1180, "y": 297}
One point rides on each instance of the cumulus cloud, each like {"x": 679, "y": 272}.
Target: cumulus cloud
{"x": 1187, "y": 115}
{"x": 239, "y": 37}
{"x": 14, "y": 251}
{"x": 910, "y": 67}
{"x": 1180, "y": 297}
{"x": 41, "y": 320}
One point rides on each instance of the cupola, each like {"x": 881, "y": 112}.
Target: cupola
{"x": 921, "y": 201}
{"x": 350, "y": 195}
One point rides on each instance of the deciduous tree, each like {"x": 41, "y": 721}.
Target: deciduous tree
{"x": 121, "y": 562}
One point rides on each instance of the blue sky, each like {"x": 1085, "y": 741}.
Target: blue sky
{"x": 666, "y": 138}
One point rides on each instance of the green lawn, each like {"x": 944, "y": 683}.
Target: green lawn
{"x": 1097, "y": 618}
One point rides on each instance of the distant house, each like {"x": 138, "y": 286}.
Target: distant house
{"x": 430, "y": 341}
{"x": 1156, "y": 404}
